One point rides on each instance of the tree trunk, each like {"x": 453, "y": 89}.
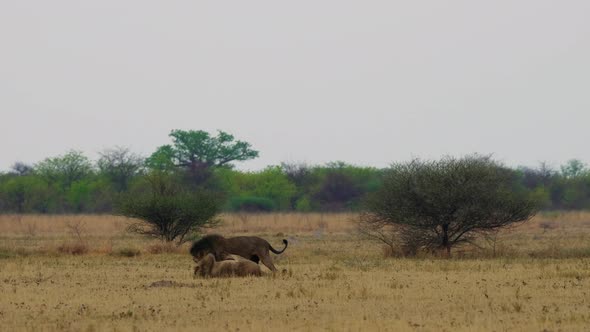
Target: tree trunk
{"x": 445, "y": 241}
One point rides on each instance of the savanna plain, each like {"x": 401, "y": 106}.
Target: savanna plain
{"x": 85, "y": 273}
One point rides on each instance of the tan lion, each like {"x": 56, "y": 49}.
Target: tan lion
{"x": 208, "y": 267}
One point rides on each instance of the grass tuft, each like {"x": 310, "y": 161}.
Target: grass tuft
{"x": 77, "y": 248}
{"x": 165, "y": 248}
{"x": 128, "y": 252}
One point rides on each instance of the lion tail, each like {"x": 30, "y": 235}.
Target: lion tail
{"x": 279, "y": 251}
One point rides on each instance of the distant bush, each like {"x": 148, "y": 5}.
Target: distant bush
{"x": 72, "y": 183}
{"x": 337, "y": 191}
{"x": 266, "y": 190}
{"x": 128, "y": 252}
{"x": 163, "y": 248}
{"x": 77, "y": 248}
{"x": 252, "y": 204}
{"x": 303, "y": 204}
{"x": 167, "y": 211}
{"x": 429, "y": 205}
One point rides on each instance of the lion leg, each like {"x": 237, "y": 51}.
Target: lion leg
{"x": 267, "y": 261}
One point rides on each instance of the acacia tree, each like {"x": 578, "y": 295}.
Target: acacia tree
{"x": 196, "y": 151}
{"x": 167, "y": 211}
{"x": 440, "y": 204}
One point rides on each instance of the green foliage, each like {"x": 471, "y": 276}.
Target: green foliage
{"x": 272, "y": 184}
{"x": 167, "y": 211}
{"x": 541, "y": 195}
{"x": 197, "y": 147}
{"x": 270, "y": 188}
{"x": 92, "y": 194}
{"x": 25, "y": 194}
{"x": 196, "y": 153}
{"x": 340, "y": 186}
{"x": 228, "y": 180}
{"x": 162, "y": 160}
{"x": 71, "y": 183}
{"x": 65, "y": 170}
{"x": 439, "y": 204}
{"x": 251, "y": 204}
{"x": 574, "y": 168}
{"x": 78, "y": 194}
{"x": 303, "y": 204}
{"x": 213, "y": 151}
{"x": 576, "y": 193}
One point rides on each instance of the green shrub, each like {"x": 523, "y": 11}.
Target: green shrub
{"x": 303, "y": 204}
{"x": 438, "y": 204}
{"x": 168, "y": 212}
{"x": 252, "y": 204}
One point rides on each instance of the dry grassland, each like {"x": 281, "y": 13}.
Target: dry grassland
{"x": 538, "y": 280}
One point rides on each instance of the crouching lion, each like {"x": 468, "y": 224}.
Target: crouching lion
{"x": 208, "y": 267}
{"x": 250, "y": 247}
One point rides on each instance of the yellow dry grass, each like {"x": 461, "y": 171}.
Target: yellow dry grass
{"x": 334, "y": 281}
{"x": 107, "y": 225}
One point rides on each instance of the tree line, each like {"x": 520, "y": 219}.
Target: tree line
{"x": 198, "y": 161}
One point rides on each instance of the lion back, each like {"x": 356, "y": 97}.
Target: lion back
{"x": 246, "y": 246}
{"x": 235, "y": 269}
{"x": 225, "y": 269}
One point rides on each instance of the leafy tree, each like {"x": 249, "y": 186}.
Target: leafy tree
{"x": 570, "y": 189}
{"x": 542, "y": 195}
{"x": 273, "y": 184}
{"x": 167, "y": 211}
{"x": 342, "y": 186}
{"x": 576, "y": 196}
{"x": 305, "y": 180}
{"x": 573, "y": 168}
{"x": 303, "y": 204}
{"x": 163, "y": 159}
{"x": 119, "y": 165}
{"x": 265, "y": 190}
{"x": 196, "y": 151}
{"x": 337, "y": 190}
{"x": 298, "y": 173}
{"x": 252, "y": 204}
{"x": 22, "y": 194}
{"x": 78, "y": 195}
{"x": 66, "y": 169}
{"x": 90, "y": 195}
{"x": 532, "y": 178}
{"x": 439, "y": 204}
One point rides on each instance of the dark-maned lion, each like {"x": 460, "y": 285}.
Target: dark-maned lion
{"x": 208, "y": 267}
{"x": 249, "y": 247}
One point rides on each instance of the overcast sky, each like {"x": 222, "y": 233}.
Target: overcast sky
{"x": 366, "y": 82}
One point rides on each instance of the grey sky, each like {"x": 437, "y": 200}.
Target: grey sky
{"x": 367, "y": 82}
